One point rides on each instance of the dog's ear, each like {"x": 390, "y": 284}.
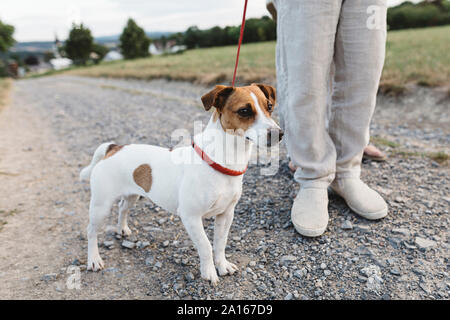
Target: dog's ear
{"x": 216, "y": 97}
{"x": 268, "y": 91}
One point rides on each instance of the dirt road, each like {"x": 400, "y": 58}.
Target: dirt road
{"x": 52, "y": 126}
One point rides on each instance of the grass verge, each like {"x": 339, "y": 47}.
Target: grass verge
{"x": 439, "y": 157}
{"x": 5, "y": 85}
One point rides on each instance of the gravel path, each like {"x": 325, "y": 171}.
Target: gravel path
{"x": 54, "y": 124}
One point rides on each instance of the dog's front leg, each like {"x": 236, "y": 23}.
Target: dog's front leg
{"x": 194, "y": 227}
{"x": 221, "y": 229}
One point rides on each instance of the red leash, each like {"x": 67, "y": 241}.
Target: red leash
{"x": 240, "y": 41}
{"x": 197, "y": 149}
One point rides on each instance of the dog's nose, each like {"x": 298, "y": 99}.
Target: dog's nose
{"x": 272, "y": 135}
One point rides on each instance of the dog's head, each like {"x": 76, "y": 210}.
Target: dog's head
{"x": 246, "y": 111}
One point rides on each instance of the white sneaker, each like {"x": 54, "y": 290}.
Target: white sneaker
{"x": 309, "y": 213}
{"x": 360, "y": 198}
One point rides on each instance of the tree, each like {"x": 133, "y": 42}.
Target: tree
{"x": 192, "y": 37}
{"x": 100, "y": 50}
{"x": 79, "y": 44}
{"x": 134, "y": 42}
{"x": 6, "y": 36}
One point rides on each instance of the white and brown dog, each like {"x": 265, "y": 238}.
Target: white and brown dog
{"x": 210, "y": 186}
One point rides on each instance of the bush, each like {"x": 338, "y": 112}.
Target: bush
{"x": 79, "y": 45}
{"x": 423, "y": 14}
{"x": 263, "y": 29}
{"x": 134, "y": 42}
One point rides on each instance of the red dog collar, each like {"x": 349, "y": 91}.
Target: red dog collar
{"x": 215, "y": 165}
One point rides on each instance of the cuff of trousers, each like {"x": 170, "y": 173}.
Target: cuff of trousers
{"x": 317, "y": 183}
{"x": 354, "y": 174}
{"x": 314, "y": 184}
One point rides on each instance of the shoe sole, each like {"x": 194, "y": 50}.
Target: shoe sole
{"x": 309, "y": 232}
{"x": 367, "y": 215}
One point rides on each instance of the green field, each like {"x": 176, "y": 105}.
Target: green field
{"x": 413, "y": 56}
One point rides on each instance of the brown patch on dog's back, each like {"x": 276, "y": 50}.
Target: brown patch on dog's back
{"x": 142, "y": 175}
{"x": 112, "y": 150}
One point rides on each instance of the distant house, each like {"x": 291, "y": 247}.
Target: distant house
{"x": 170, "y": 47}
{"x": 113, "y": 56}
{"x": 177, "y": 48}
{"x": 60, "y": 63}
{"x": 155, "y": 49}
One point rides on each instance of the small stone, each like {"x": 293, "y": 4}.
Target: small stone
{"x": 128, "y": 244}
{"x": 323, "y": 266}
{"x": 49, "y": 277}
{"x": 287, "y": 259}
{"x": 108, "y": 244}
{"x": 178, "y": 285}
{"x": 363, "y": 228}
{"x": 166, "y": 243}
{"x": 252, "y": 263}
{"x": 424, "y": 243}
{"x": 143, "y": 244}
{"x": 418, "y": 271}
{"x": 409, "y": 246}
{"x": 402, "y": 231}
{"x": 347, "y": 225}
{"x": 185, "y": 261}
{"x": 298, "y": 274}
{"x": 190, "y": 277}
{"x": 132, "y": 238}
{"x": 399, "y": 200}
{"x": 395, "y": 271}
{"x": 158, "y": 265}
{"x": 75, "y": 262}
{"x": 236, "y": 238}
{"x": 286, "y": 225}
{"x": 150, "y": 260}
{"x": 327, "y": 272}
{"x": 289, "y": 296}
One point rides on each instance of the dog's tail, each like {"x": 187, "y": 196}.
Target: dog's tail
{"x": 99, "y": 154}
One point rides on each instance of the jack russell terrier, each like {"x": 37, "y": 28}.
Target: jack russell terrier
{"x": 211, "y": 185}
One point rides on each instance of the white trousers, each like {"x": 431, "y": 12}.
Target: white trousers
{"x": 329, "y": 52}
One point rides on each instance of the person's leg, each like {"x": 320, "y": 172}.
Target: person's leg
{"x": 305, "y": 44}
{"x": 359, "y": 58}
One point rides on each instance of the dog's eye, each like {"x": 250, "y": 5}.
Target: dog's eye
{"x": 245, "y": 112}
{"x": 269, "y": 106}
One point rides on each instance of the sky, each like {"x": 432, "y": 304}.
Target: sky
{"x": 41, "y": 20}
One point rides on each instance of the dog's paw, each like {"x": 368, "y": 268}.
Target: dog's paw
{"x": 226, "y": 267}
{"x": 95, "y": 263}
{"x": 209, "y": 273}
{"x": 124, "y": 231}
